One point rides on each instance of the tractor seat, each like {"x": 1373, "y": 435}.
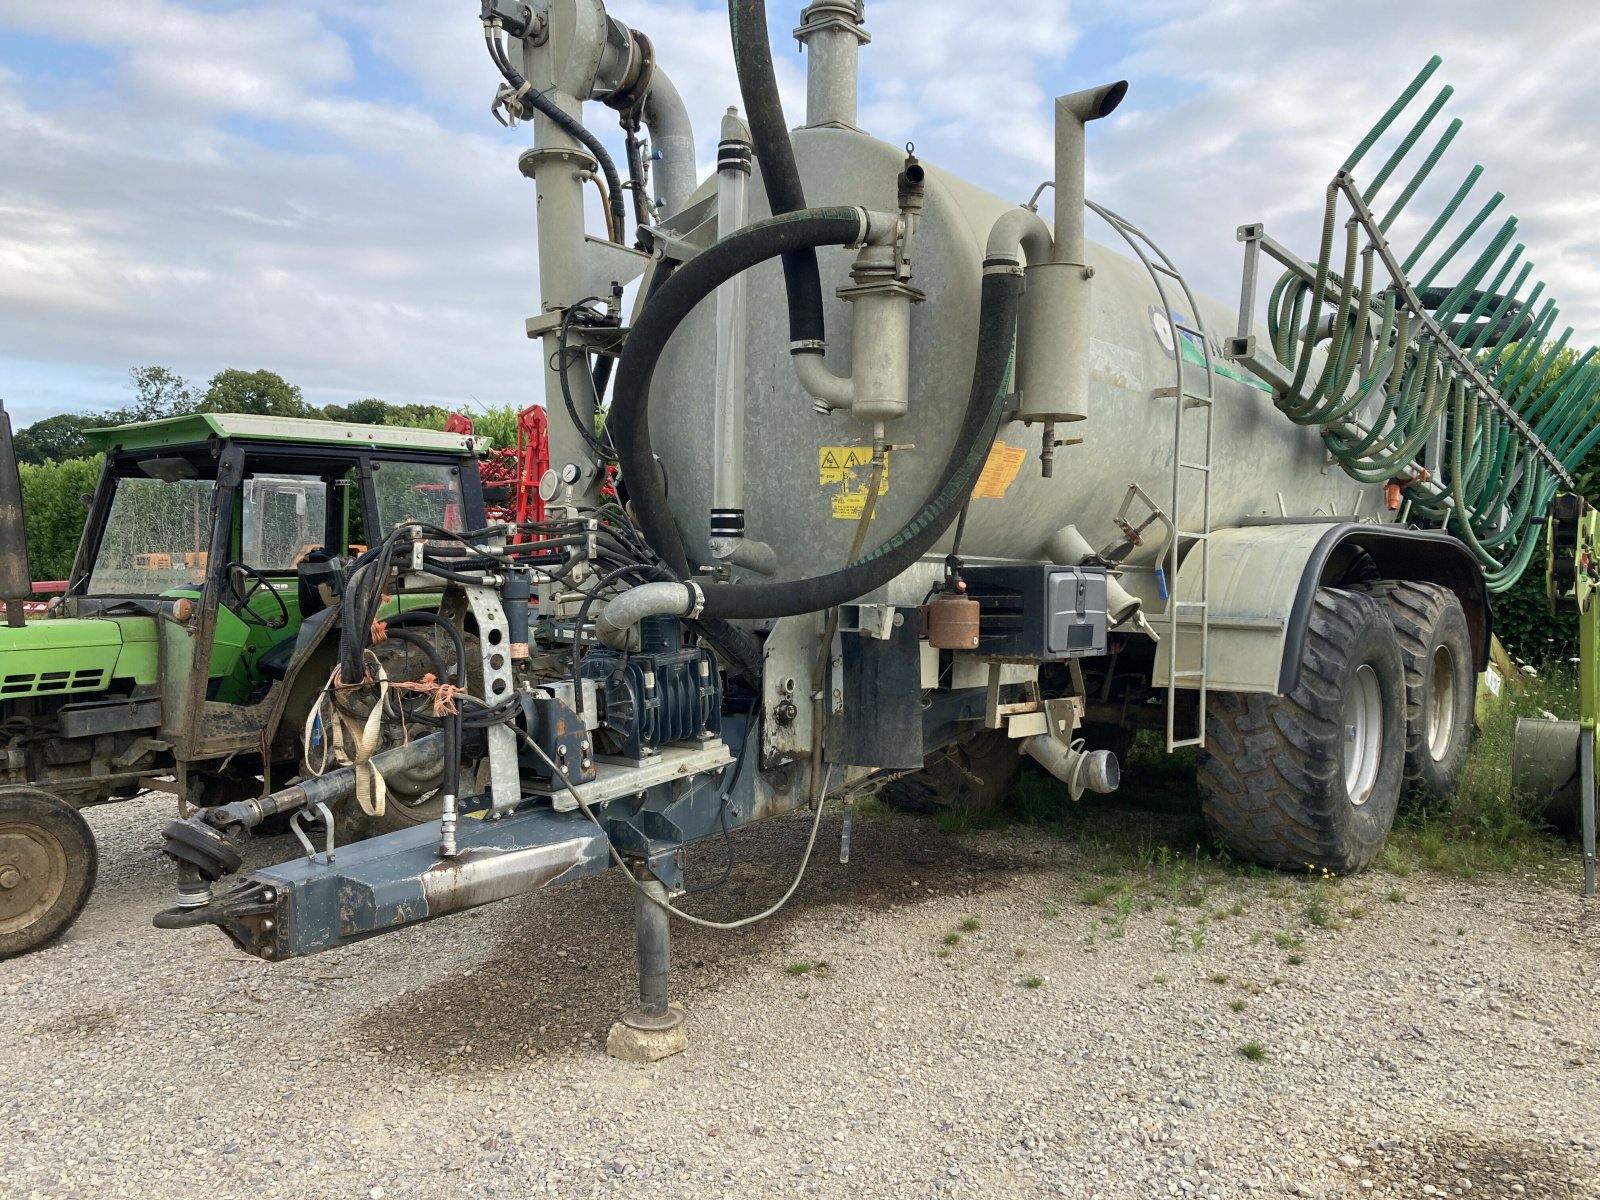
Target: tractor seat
{"x": 273, "y": 663}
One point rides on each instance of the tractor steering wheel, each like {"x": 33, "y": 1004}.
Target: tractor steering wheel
{"x": 237, "y": 573}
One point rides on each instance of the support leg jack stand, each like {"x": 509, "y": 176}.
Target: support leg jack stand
{"x": 654, "y": 1030}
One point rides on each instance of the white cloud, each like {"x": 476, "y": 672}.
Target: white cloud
{"x": 283, "y": 186}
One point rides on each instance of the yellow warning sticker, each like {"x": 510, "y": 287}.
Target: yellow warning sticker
{"x": 847, "y": 472}
{"x": 1000, "y": 472}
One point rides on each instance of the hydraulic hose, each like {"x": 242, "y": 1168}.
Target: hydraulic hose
{"x": 780, "y": 176}
{"x": 531, "y": 97}
{"x": 699, "y": 278}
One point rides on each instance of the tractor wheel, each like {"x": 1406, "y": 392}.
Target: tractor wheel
{"x": 47, "y": 868}
{"x": 1441, "y": 686}
{"x": 1312, "y": 779}
{"x": 972, "y": 776}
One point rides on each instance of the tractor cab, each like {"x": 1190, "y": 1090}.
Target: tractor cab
{"x": 192, "y": 640}
{"x": 230, "y": 533}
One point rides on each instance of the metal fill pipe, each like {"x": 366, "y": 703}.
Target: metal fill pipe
{"x": 831, "y": 32}
{"x": 672, "y": 138}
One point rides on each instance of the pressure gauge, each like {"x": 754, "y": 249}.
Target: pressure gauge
{"x": 570, "y": 474}
{"x": 549, "y": 482}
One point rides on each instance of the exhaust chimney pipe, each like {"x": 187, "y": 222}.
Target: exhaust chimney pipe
{"x": 16, "y": 580}
{"x": 1053, "y": 340}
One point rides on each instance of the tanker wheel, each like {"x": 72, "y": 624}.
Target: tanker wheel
{"x": 1441, "y": 686}
{"x": 47, "y": 868}
{"x": 1312, "y": 779}
{"x": 973, "y": 776}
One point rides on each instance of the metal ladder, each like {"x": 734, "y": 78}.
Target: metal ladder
{"x": 1184, "y": 619}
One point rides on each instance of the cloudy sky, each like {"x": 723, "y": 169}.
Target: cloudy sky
{"x": 318, "y": 188}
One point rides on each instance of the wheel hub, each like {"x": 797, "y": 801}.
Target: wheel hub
{"x": 1363, "y": 725}
{"x": 1441, "y": 703}
{"x": 33, "y": 871}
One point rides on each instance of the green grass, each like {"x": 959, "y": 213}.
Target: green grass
{"x": 1487, "y": 827}
{"x": 952, "y": 939}
{"x": 799, "y": 968}
{"x": 1033, "y": 981}
{"x": 1236, "y": 1005}
{"x": 1218, "y": 977}
{"x": 970, "y": 924}
{"x": 1254, "y": 1051}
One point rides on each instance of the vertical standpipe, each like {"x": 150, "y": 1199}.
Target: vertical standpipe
{"x": 1053, "y": 337}
{"x": 831, "y": 32}
{"x": 558, "y": 164}
{"x": 728, "y": 542}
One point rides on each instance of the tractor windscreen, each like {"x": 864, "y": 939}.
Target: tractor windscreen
{"x": 156, "y": 536}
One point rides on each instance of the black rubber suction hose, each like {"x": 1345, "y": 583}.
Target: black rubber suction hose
{"x": 699, "y": 279}
{"x": 780, "y": 176}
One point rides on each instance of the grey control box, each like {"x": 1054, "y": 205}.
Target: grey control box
{"x": 1039, "y": 611}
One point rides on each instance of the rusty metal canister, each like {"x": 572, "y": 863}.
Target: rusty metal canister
{"x": 952, "y": 621}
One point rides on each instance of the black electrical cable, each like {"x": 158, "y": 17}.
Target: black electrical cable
{"x": 563, "y": 363}
{"x": 722, "y": 804}
{"x": 699, "y": 278}
{"x": 528, "y": 97}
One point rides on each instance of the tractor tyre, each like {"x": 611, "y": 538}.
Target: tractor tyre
{"x": 973, "y": 776}
{"x": 1441, "y": 686}
{"x": 48, "y": 862}
{"x": 1312, "y": 779}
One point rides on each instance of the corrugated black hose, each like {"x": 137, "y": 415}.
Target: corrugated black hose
{"x": 780, "y": 176}
{"x": 698, "y": 279}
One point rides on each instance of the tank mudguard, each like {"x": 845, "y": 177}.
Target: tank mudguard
{"x": 1263, "y": 579}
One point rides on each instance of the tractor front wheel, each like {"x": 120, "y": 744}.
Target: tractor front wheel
{"x": 47, "y": 868}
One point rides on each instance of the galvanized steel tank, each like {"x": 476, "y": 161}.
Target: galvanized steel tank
{"x": 802, "y": 500}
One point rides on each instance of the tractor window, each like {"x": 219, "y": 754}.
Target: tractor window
{"x": 156, "y": 537}
{"x": 285, "y": 517}
{"x": 429, "y": 493}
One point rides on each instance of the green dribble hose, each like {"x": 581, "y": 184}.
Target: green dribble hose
{"x": 1467, "y": 368}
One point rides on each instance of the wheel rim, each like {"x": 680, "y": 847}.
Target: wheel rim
{"x": 1441, "y": 703}
{"x": 33, "y": 873}
{"x": 1363, "y": 734}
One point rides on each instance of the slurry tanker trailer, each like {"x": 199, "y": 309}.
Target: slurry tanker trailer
{"x": 863, "y": 477}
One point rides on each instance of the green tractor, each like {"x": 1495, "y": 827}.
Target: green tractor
{"x": 190, "y": 647}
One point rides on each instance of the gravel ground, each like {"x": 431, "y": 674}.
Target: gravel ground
{"x": 1428, "y": 1037}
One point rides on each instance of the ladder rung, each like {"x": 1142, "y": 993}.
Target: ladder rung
{"x": 1194, "y": 466}
{"x": 1190, "y": 603}
{"x": 1184, "y": 743}
{"x": 1164, "y": 269}
{"x": 1188, "y": 674}
{"x": 1182, "y": 328}
{"x": 1194, "y": 535}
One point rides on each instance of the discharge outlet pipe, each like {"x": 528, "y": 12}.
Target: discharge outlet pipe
{"x": 1053, "y": 342}
{"x": 695, "y": 281}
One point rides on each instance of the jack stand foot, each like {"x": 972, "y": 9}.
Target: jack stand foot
{"x": 630, "y": 1043}
{"x": 654, "y": 1030}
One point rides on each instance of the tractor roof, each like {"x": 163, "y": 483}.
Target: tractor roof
{"x": 197, "y": 428}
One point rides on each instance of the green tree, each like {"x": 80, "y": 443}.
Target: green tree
{"x": 264, "y": 393}
{"x": 56, "y": 439}
{"x": 54, "y": 512}
{"x": 370, "y": 411}
{"x": 157, "y": 392}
